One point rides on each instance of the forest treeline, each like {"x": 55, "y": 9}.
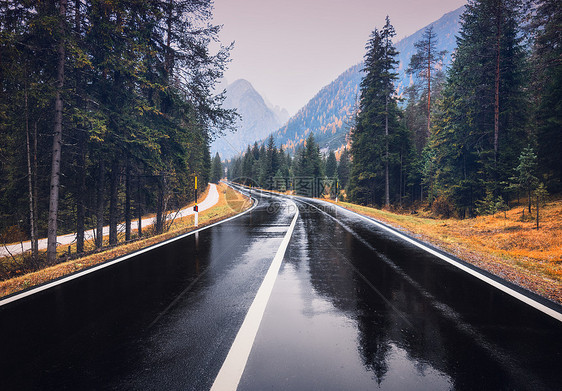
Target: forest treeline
{"x": 470, "y": 138}
{"x": 308, "y": 172}
{"x": 106, "y": 113}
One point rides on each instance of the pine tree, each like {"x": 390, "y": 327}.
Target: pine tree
{"x": 26, "y": 86}
{"x": 313, "y": 160}
{"x": 247, "y": 164}
{"x": 308, "y": 167}
{"x": 331, "y": 165}
{"x": 343, "y": 169}
{"x": 547, "y": 69}
{"x": 377, "y": 118}
{"x": 526, "y": 172}
{"x": 216, "y": 169}
{"x": 57, "y": 138}
{"x": 270, "y": 164}
{"x": 127, "y": 86}
{"x": 284, "y": 163}
{"x": 481, "y": 126}
{"x": 425, "y": 63}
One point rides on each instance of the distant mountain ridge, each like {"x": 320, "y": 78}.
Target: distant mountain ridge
{"x": 446, "y": 29}
{"x": 329, "y": 114}
{"x": 325, "y": 115}
{"x": 258, "y": 119}
{"x": 281, "y": 113}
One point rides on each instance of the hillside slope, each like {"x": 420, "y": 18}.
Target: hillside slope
{"x": 327, "y": 115}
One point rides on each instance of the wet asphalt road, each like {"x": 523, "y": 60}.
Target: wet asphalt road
{"x": 353, "y": 308}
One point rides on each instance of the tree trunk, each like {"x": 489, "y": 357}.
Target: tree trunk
{"x": 57, "y": 144}
{"x": 139, "y": 206}
{"x": 537, "y": 212}
{"x": 100, "y": 204}
{"x": 160, "y": 205}
{"x": 80, "y": 197}
{"x": 497, "y": 85}
{"x": 113, "y": 200}
{"x": 35, "y": 187}
{"x": 77, "y": 17}
{"x": 386, "y": 174}
{"x": 30, "y": 183}
{"x": 128, "y": 200}
{"x": 402, "y": 186}
{"x": 428, "y": 86}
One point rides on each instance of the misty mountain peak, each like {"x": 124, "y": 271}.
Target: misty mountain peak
{"x": 329, "y": 115}
{"x": 258, "y": 119}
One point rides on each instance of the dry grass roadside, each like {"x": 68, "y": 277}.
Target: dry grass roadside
{"x": 507, "y": 246}
{"x": 230, "y": 203}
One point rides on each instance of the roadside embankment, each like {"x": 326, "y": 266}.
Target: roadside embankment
{"x": 507, "y": 245}
{"x": 229, "y": 204}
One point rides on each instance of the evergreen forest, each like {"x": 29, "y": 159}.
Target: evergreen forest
{"x": 465, "y": 140}
{"x": 308, "y": 172}
{"x": 106, "y": 113}
{"x": 481, "y": 133}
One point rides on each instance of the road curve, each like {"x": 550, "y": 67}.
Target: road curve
{"x": 351, "y": 306}
{"x": 67, "y": 239}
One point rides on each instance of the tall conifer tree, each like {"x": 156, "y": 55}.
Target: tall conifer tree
{"x": 481, "y": 129}
{"x": 547, "y": 69}
{"x": 343, "y": 169}
{"x": 57, "y": 137}
{"x": 216, "y": 169}
{"x": 376, "y": 120}
{"x": 136, "y": 80}
{"x": 331, "y": 165}
{"x": 425, "y": 64}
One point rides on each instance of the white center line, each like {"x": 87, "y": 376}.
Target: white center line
{"x": 231, "y": 371}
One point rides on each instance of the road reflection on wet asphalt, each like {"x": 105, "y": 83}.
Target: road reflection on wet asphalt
{"x": 353, "y": 308}
{"x": 356, "y": 308}
{"x": 162, "y": 320}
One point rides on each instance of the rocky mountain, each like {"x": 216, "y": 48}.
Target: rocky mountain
{"x": 330, "y": 113}
{"x": 258, "y": 119}
{"x": 281, "y": 113}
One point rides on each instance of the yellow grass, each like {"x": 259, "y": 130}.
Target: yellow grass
{"x": 230, "y": 203}
{"x": 506, "y": 246}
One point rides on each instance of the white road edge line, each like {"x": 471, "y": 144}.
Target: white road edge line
{"x": 527, "y": 300}
{"x": 233, "y": 367}
{"x": 111, "y": 263}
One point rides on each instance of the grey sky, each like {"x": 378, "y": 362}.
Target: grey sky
{"x": 290, "y": 49}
